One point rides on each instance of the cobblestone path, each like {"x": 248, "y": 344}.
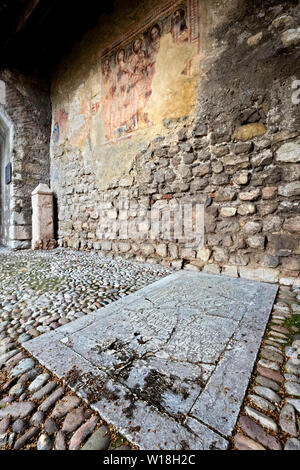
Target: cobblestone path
{"x": 38, "y": 293}
{"x": 41, "y": 291}
{"x": 270, "y": 416}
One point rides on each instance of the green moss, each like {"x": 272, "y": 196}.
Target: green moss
{"x": 118, "y": 441}
{"x": 294, "y": 320}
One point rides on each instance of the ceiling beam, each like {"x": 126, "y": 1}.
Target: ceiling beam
{"x": 26, "y": 14}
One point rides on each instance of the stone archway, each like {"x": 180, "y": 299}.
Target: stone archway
{"x": 6, "y": 147}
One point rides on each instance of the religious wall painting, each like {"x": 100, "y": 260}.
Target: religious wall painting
{"x": 60, "y": 123}
{"x": 128, "y": 68}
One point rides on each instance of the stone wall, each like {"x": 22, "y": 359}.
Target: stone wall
{"x": 231, "y": 143}
{"x": 25, "y": 110}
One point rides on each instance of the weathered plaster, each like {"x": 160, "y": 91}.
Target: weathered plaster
{"x": 174, "y": 92}
{"x": 6, "y": 146}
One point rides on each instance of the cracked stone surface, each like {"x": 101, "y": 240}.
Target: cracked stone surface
{"x": 173, "y": 359}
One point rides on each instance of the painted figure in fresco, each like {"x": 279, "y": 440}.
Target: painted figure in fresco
{"x": 141, "y": 89}
{"x": 55, "y": 133}
{"x": 179, "y": 27}
{"x": 137, "y": 68}
{"x": 121, "y": 102}
{"x": 109, "y": 90}
{"x": 128, "y": 76}
{"x": 155, "y": 35}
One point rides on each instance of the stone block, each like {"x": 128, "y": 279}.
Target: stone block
{"x": 290, "y": 189}
{"x": 283, "y": 244}
{"x": 249, "y": 131}
{"x": 269, "y": 192}
{"x": 257, "y": 241}
{"x": 246, "y": 209}
{"x": 291, "y": 37}
{"x": 289, "y": 153}
{"x": 259, "y": 274}
{"x": 162, "y": 250}
{"x": 250, "y": 195}
{"x": 228, "y": 211}
{"x": 21, "y": 232}
{"x": 42, "y": 218}
{"x": 255, "y": 40}
{"x": 204, "y": 254}
{"x": 292, "y": 225}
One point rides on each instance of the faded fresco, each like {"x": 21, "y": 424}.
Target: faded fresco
{"x": 128, "y": 69}
{"x": 149, "y": 72}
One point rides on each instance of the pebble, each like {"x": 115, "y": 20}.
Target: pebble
{"x": 50, "y": 426}
{"x": 4, "y": 424}
{"x": 292, "y": 444}
{"x": 85, "y": 430}
{"x": 11, "y": 439}
{"x": 5, "y": 357}
{"x": 19, "y": 426}
{"x": 49, "y": 402}
{"x": 269, "y": 364}
{"x": 290, "y": 352}
{"x": 29, "y": 376}
{"x": 65, "y": 405}
{"x": 38, "y": 382}
{"x": 26, "y": 438}
{"x": 261, "y": 403}
{"x": 267, "y": 393}
{"x": 44, "y": 443}
{"x": 74, "y": 419}
{"x": 265, "y": 421}
{"x": 292, "y": 378}
{"x": 60, "y": 441}
{"x": 23, "y": 367}
{"x": 295, "y": 402}
{"x": 3, "y": 440}
{"x": 271, "y": 374}
{"x": 278, "y": 340}
{"x": 17, "y": 410}
{"x": 272, "y": 356}
{"x": 100, "y": 440}
{"x": 37, "y": 418}
{"x": 255, "y": 431}
{"x": 23, "y": 338}
{"x": 265, "y": 382}
{"x": 287, "y": 420}
{"x": 280, "y": 329}
{"x": 292, "y": 388}
{"x": 16, "y": 390}
{"x": 244, "y": 443}
{"x": 292, "y": 367}
{"x": 44, "y": 391}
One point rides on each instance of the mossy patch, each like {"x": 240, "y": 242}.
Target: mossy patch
{"x": 292, "y": 322}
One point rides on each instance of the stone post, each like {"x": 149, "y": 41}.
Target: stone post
{"x": 42, "y": 218}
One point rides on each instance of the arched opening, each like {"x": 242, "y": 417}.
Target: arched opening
{"x": 6, "y": 140}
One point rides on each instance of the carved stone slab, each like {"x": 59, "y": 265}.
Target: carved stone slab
{"x": 168, "y": 365}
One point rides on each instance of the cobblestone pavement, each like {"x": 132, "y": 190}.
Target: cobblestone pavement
{"x": 41, "y": 291}
{"x": 270, "y": 416}
{"x": 38, "y": 293}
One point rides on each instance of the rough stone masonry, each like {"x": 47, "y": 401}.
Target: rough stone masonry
{"x": 223, "y": 130}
